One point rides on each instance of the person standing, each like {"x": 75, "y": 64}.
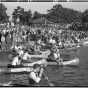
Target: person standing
{"x": 8, "y": 40}
{"x": 3, "y": 42}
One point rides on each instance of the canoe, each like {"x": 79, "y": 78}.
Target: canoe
{"x": 41, "y": 62}
{"x": 44, "y": 54}
{"x": 73, "y": 62}
{"x": 85, "y": 43}
{"x": 50, "y": 46}
{"x": 35, "y": 61}
{"x": 27, "y": 67}
{"x": 16, "y": 70}
{"x": 73, "y": 48}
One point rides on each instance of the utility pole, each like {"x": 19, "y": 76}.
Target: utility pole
{"x": 59, "y": 20}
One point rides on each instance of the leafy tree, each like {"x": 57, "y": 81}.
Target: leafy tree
{"x": 85, "y": 16}
{"x": 61, "y": 14}
{"x": 36, "y": 15}
{"x": 28, "y": 16}
{"x": 23, "y": 16}
{"x": 3, "y": 15}
{"x": 17, "y": 13}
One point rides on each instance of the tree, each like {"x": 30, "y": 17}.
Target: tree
{"x": 36, "y": 15}
{"x": 4, "y": 18}
{"x": 17, "y": 14}
{"x": 23, "y": 16}
{"x": 61, "y": 14}
{"x": 28, "y": 16}
{"x": 85, "y": 16}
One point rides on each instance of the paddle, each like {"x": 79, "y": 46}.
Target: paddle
{"x": 57, "y": 62}
{"x": 47, "y": 79}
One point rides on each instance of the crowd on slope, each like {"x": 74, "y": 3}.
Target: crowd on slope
{"x": 16, "y": 35}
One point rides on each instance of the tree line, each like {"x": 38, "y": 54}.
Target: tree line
{"x": 57, "y": 14}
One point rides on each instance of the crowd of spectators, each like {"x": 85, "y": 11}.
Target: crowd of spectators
{"x": 15, "y": 35}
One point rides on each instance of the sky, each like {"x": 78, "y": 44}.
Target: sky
{"x": 42, "y": 7}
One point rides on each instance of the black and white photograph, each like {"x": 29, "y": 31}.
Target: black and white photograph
{"x": 43, "y": 44}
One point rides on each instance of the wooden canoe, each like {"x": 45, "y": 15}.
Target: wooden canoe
{"x": 73, "y": 62}
{"x": 27, "y": 67}
{"x": 85, "y": 43}
{"x": 43, "y": 55}
{"x": 73, "y": 48}
{"x": 25, "y": 63}
{"x": 16, "y": 70}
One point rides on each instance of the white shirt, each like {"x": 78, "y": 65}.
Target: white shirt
{"x": 16, "y": 61}
{"x": 52, "y": 41}
{"x": 25, "y": 56}
{"x": 60, "y": 43}
{"x": 56, "y": 55}
{"x": 2, "y": 38}
{"x": 34, "y": 77}
{"x": 16, "y": 48}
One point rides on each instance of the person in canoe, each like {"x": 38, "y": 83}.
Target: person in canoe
{"x": 35, "y": 76}
{"x": 24, "y": 56}
{"x": 17, "y": 61}
{"x": 37, "y": 49}
{"x": 16, "y": 48}
{"x": 56, "y": 53}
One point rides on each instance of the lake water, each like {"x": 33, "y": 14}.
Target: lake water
{"x": 62, "y": 76}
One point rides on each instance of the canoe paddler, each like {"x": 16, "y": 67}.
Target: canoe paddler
{"x": 24, "y": 55}
{"x": 35, "y": 76}
{"x": 56, "y": 52}
{"x": 37, "y": 49}
{"x": 17, "y": 61}
{"x": 16, "y": 48}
